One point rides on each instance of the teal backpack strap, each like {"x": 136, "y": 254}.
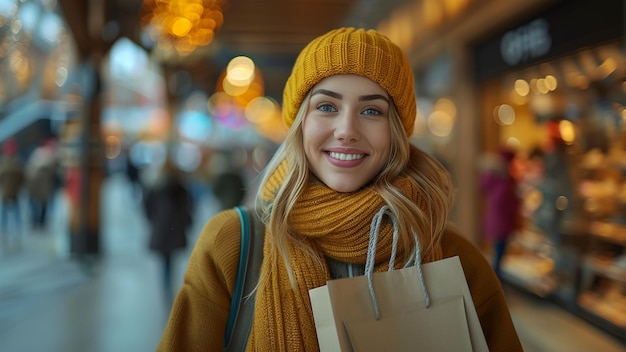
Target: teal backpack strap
{"x": 242, "y": 303}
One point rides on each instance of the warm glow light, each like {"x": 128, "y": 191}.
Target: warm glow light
{"x": 440, "y": 123}
{"x": 446, "y": 105}
{"x": 567, "y": 131}
{"x": 541, "y": 86}
{"x": 240, "y": 71}
{"x": 181, "y": 27}
{"x": 248, "y": 78}
{"x": 504, "y": 114}
{"x": 262, "y": 110}
{"x": 185, "y": 24}
{"x": 521, "y": 87}
{"x": 551, "y": 82}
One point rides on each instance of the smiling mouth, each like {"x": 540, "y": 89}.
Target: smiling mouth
{"x": 345, "y": 157}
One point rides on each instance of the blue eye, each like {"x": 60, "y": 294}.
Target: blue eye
{"x": 326, "y": 108}
{"x": 371, "y": 111}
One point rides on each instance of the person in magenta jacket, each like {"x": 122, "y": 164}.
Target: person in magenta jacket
{"x": 501, "y": 214}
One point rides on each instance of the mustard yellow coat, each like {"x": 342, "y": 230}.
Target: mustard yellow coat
{"x": 200, "y": 310}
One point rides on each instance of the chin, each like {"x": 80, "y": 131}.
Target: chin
{"x": 344, "y": 188}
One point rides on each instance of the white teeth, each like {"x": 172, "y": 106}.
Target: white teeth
{"x": 342, "y": 156}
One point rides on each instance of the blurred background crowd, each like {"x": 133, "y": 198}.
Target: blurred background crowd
{"x": 121, "y": 117}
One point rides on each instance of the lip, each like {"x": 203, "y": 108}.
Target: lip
{"x": 349, "y": 161}
{"x": 345, "y": 150}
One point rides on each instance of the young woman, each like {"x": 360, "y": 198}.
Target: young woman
{"x": 350, "y": 107}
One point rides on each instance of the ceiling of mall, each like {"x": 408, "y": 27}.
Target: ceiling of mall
{"x": 271, "y": 32}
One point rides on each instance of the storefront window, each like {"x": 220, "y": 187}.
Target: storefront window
{"x": 566, "y": 119}
{"x": 569, "y": 114}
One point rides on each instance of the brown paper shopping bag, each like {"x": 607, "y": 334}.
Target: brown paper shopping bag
{"x": 426, "y": 307}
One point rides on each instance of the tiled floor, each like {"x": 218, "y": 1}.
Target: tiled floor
{"x": 50, "y": 303}
{"x": 546, "y": 327}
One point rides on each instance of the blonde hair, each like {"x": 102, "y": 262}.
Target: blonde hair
{"x": 430, "y": 177}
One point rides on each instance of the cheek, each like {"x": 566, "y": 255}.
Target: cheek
{"x": 312, "y": 133}
{"x": 381, "y": 138}
{"x": 307, "y": 136}
{"x": 309, "y": 141}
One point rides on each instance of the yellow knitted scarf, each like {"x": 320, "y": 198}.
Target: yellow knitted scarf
{"x": 336, "y": 225}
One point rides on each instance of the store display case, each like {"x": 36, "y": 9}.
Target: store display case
{"x": 545, "y": 265}
{"x": 529, "y": 263}
{"x": 602, "y": 290}
{"x": 580, "y": 262}
{"x": 543, "y": 88}
{"x": 572, "y": 246}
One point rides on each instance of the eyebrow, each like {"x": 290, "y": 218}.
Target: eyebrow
{"x": 336, "y": 95}
{"x": 330, "y": 93}
{"x": 373, "y": 97}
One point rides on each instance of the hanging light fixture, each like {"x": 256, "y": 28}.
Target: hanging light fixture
{"x": 183, "y": 25}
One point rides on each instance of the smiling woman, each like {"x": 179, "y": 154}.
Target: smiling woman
{"x": 350, "y": 108}
{"x": 346, "y": 131}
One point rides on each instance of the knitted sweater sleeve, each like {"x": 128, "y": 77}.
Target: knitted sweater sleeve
{"x": 199, "y": 313}
{"x": 487, "y": 294}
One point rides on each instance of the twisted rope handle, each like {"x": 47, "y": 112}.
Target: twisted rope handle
{"x": 371, "y": 254}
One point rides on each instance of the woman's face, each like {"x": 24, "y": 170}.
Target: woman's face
{"x": 346, "y": 131}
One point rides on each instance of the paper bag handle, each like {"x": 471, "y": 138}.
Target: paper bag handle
{"x": 371, "y": 254}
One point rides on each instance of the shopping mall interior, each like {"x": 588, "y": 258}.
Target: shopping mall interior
{"x": 107, "y": 92}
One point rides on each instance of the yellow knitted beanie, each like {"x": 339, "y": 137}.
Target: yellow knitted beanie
{"x": 353, "y": 51}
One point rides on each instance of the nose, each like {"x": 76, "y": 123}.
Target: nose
{"x": 347, "y": 128}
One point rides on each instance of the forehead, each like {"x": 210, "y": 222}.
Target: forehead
{"x": 350, "y": 83}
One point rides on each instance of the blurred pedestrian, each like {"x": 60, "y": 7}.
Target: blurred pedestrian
{"x": 168, "y": 206}
{"x": 227, "y": 179}
{"x": 229, "y": 188}
{"x": 502, "y": 203}
{"x": 42, "y": 178}
{"x": 11, "y": 183}
{"x": 133, "y": 173}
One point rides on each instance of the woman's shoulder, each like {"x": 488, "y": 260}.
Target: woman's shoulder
{"x": 472, "y": 259}
{"x": 482, "y": 280}
{"x": 220, "y": 237}
{"x": 452, "y": 241}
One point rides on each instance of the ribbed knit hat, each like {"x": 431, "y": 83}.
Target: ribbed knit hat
{"x": 353, "y": 51}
